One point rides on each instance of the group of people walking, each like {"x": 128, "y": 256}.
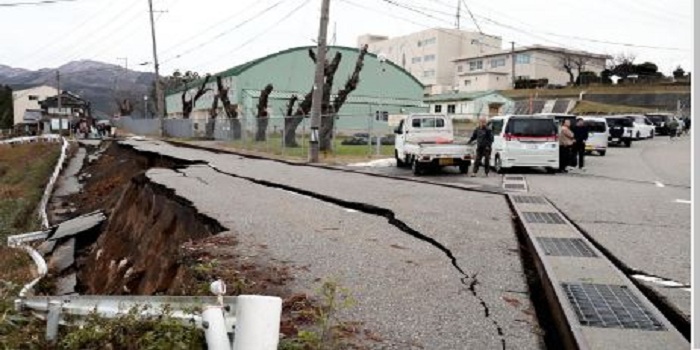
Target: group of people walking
{"x": 572, "y": 145}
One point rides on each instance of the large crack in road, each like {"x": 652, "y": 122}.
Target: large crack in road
{"x": 470, "y": 282}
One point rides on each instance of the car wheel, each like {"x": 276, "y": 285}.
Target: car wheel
{"x": 551, "y": 170}
{"x": 651, "y": 134}
{"x": 602, "y": 153}
{"x": 498, "y": 165}
{"x": 399, "y": 162}
{"x": 639, "y": 135}
{"x": 628, "y": 143}
{"x": 464, "y": 167}
{"x": 417, "y": 168}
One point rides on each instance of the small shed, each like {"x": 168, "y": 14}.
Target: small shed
{"x": 469, "y": 105}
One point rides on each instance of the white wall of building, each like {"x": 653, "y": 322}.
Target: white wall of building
{"x": 429, "y": 55}
{"x": 493, "y": 72}
{"x": 29, "y": 99}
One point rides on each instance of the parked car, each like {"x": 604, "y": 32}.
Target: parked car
{"x": 660, "y": 121}
{"x": 425, "y": 141}
{"x": 598, "y": 135}
{"x": 643, "y": 127}
{"x": 525, "y": 141}
{"x": 621, "y": 130}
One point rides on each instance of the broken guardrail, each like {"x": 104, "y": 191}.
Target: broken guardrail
{"x": 248, "y": 322}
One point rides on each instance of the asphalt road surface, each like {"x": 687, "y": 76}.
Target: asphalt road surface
{"x": 405, "y": 250}
{"x": 633, "y": 201}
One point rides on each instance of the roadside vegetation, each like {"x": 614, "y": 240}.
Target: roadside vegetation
{"x": 588, "y": 107}
{"x": 24, "y": 172}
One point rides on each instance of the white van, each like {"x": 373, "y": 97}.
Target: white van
{"x": 524, "y": 141}
{"x": 598, "y": 135}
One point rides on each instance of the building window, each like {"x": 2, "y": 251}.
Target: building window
{"x": 428, "y": 73}
{"x": 451, "y": 109}
{"x": 429, "y": 58}
{"x": 415, "y": 60}
{"x": 467, "y": 82}
{"x": 476, "y": 65}
{"x": 459, "y": 68}
{"x": 438, "y": 108}
{"x": 498, "y": 62}
{"x": 522, "y": 58}
{"x": 426, "y": 42}
{"x": 33, "y": 97}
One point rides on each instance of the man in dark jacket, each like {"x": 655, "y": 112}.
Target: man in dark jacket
{"x": 483, "y": 135}
{"x": 580, "y": 135}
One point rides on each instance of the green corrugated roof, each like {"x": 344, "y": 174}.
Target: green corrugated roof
{"x": 460, "y": 96}
{"x": 237, "y": 70}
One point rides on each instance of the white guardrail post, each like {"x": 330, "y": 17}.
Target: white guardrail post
{"x": 257, "y": 322}
{"x": 215, "y": 328}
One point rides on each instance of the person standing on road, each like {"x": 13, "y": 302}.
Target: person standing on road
{"x": 672, "y": 128}
{"x": 579, "y": 148}
{"x": 483, "y": 135}
{"x": 566, "y": 140}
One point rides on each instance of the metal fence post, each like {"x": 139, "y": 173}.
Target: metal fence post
{"x": 52, "y": 320}
{"x": 257, "y": 322}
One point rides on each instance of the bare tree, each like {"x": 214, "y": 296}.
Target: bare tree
{"x": 230, "y": 109}
{"x": 263, "y": 115}
{"x": 213, "y": 113}
{"x": 567, "y": 63}
{"x": 350, "y": 86}
{"x": 188, "y": 105}
{"x": 291, "y": 123}
{"x": 580, "y": 62}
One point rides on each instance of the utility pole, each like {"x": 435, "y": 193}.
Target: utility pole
{"x": 319, "y": 82}
{"x": 459, "y": 12}
{"x": 58, "y": 100}
{"x": 512, "y": 59}
{"x": 160, "y": 106}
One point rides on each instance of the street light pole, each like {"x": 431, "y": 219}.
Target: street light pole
{"x": 319, "y": 82}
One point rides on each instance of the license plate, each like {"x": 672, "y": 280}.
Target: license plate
{"x": 446, "y": 161}
{"x": 589, "y": 148}
{"x": 531, "y": 147}
{"x": 616, "y": 139}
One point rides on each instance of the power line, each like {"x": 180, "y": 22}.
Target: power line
{"x": 228, "y": 31}
{"x": 472, "y": 16}
{"x": 35, "y": 3}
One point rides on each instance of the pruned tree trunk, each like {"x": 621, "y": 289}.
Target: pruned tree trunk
{"x": 188, "y": 105}
{"x": 287, "y": 122}
{"x": 230, "y": 109}
{"x": 292, "y": 123}
{"x": 326, "y": 132}
{"x": 263, "y": 115}
{"x": 213, "y": 113}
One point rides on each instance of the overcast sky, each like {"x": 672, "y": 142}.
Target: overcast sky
{"x": 212, "y": 35}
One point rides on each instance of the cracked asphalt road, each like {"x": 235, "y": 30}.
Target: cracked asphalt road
{"x": 407, "y": 289}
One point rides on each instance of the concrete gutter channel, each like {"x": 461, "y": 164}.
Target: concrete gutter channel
{"x": 592, "y": 299}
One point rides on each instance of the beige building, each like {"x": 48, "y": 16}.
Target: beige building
{"x": 492, "y": 71}
{"x": 430, "y": 55}
{"x": 26, "y": 102}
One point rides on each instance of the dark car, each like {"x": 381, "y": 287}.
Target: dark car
{"x": 660, "y": 121}
{"x": 621, "y": 130}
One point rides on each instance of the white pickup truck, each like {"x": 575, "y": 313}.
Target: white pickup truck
{"x": 426, "y": 141}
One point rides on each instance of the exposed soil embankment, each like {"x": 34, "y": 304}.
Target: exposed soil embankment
{"x": 137, "y": 252}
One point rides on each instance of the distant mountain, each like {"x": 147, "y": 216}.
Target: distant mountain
{"x": 98, "y": 82}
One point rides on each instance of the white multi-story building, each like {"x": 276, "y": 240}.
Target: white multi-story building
{"x": 493, "y": 71}
{"x": 430, "y": 55}
{"x": 26, "y": 102}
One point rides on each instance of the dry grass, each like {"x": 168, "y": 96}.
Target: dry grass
{"x": 24, "y": 171}
{"x": 588, "y": 107}
{"x": 600, "y": 89}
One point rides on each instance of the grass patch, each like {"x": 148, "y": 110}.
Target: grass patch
{"x": 274, "y": 146}
{"x": 588, "y": 107}
{"x": 597, "y": 89}
{"x": 24, "y": 172}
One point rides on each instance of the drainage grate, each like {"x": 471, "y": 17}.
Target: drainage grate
{"x": 529, "y": 199}
{"x": 515, "y": 178}
{"x": 514, "y": 186}
{"x": 609, "y": 306}
{"x": 543, "y": 218}
{"x": 575, "y": 247}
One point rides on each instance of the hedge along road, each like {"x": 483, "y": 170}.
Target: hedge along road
{"x": 431, "y": 267}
